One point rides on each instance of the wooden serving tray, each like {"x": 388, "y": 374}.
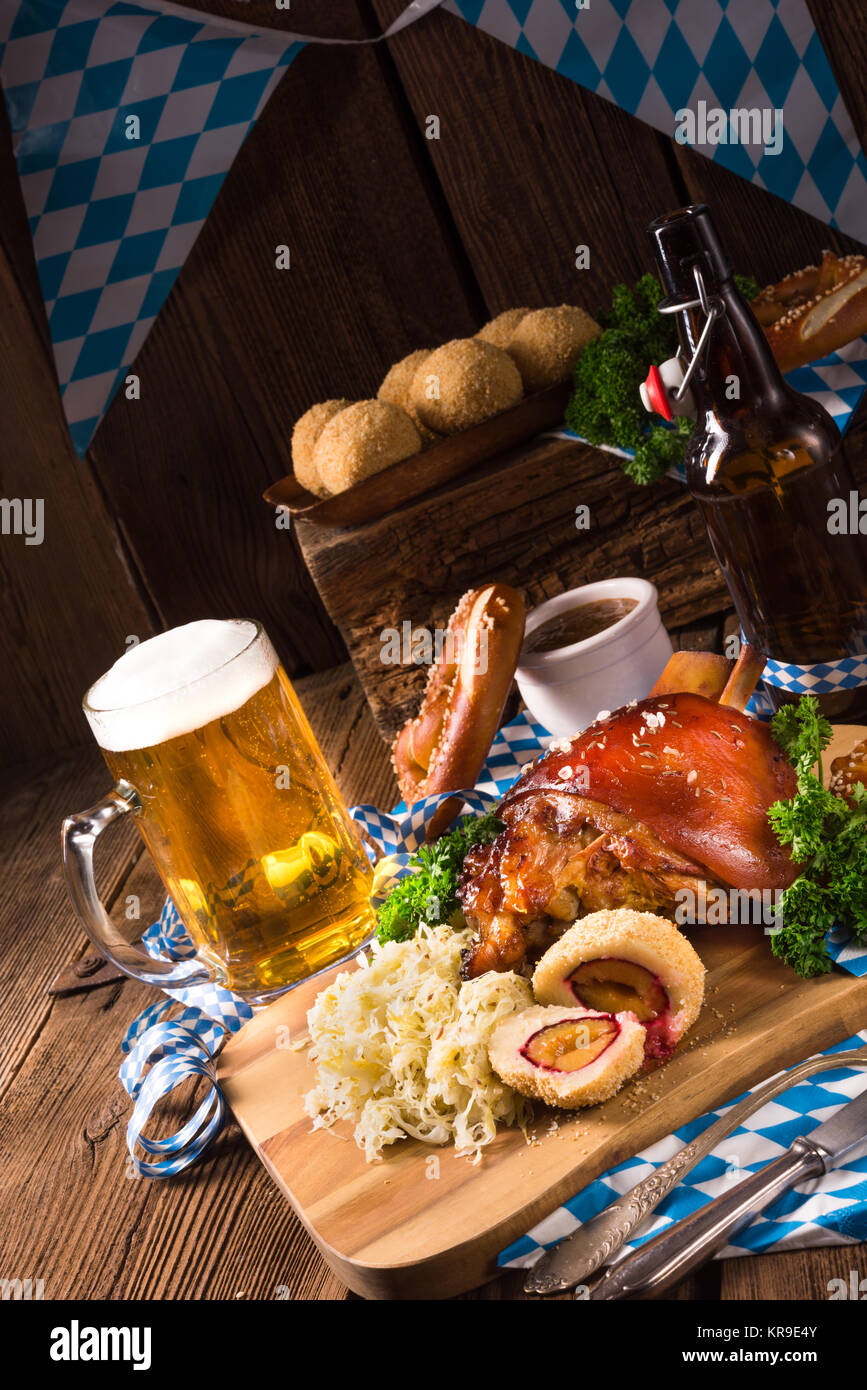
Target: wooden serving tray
{"x": 431, "y": 468}
{"x": 390, "y": 1230}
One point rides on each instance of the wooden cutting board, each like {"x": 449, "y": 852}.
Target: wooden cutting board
{"x": 411, "y": 1228}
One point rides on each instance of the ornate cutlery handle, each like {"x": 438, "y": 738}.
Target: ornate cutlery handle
{"x": 608, "y": 1231}
{"x": 676, "y": 1252}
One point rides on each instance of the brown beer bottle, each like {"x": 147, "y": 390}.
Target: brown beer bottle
{"x": 763, "y": 463}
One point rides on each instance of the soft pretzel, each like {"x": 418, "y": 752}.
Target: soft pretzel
{"x": 849, "y": 769}
{"x": 444, "y": 747}
{"x": 815, "y": 310}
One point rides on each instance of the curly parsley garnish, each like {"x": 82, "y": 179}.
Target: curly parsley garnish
{"x": 605, "y": 407}
{"x": 827, "y": 836}
{"x": 429, "y": 893}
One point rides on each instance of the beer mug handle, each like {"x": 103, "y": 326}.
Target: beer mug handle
{"x": 78, "y": 838}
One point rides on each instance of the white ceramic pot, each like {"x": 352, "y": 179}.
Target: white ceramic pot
{"x": 566, "y": 689}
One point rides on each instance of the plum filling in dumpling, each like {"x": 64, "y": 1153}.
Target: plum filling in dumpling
{"x": 613, "y": 985}
{"x": 627, "y": 962}
{"x": 571, "y": 1045}
{"x": 567, "y": 1056}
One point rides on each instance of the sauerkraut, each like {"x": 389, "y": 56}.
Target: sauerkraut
{"x": 400, "y": 1047}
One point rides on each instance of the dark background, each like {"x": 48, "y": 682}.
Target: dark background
{"x": 397, "y": 242}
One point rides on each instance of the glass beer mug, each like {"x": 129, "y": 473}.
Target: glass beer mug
{"x": 212, "y": 754}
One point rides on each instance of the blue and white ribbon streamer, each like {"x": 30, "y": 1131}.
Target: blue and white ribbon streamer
{"x": 174, "y": 1053}
{"x": 161, "y": 1054}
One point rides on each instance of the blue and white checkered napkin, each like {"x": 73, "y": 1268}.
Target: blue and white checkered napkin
{"x": 831, "y": 1211}
{"x": 654, "y": 58}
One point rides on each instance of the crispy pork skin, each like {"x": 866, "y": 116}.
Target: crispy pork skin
{"x": 653, "y": 798}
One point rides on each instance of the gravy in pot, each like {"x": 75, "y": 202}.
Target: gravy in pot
{"x": 577, "y": 624}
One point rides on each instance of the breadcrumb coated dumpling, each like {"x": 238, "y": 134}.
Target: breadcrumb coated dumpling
{"x": 398, "y": 379}
{"x": 499, "y": 330}
{"x": 569, "y": 1057}
{"x": 304, "y": 436}
{"x": 396, "y": 386}
{"x": 463, "y": 383}
{"x": 547, "y": 342}
{"x": 622, "y": 959}
{"x": 362, "y": 440}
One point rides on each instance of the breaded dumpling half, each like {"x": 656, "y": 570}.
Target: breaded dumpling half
{"x": 621, "y": 959}
{"x": 569, "y": 1057}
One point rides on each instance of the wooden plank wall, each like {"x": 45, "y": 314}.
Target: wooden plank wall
{"x": 397, "y": 241}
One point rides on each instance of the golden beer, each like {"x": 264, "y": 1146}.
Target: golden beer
{"x": 237, "y": 807}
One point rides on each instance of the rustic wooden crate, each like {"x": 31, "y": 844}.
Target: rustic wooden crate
{"x": 511, "y": 520}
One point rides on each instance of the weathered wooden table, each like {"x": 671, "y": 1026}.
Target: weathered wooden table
{"x": 72, "y": 1213}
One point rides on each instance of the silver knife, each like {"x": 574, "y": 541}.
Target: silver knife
{"x": 580, "y": 1254}
{"x": 686, "y": 1245}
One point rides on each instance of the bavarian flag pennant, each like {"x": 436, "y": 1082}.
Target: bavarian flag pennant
{"x": 125, "y": 120}
{"x": 746, "y": 83}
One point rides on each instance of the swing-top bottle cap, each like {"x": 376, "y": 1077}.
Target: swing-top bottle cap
{"x": 659, "y": 391}
{"x": 684, "y": 239}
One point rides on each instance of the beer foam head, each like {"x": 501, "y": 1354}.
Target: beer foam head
{"x": 177, "y": 682}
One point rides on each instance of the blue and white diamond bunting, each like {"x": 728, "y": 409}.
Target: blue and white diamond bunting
{"x": 657, "y": 58}
{"x": 125, "y": 120}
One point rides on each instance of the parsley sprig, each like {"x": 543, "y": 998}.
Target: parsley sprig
{"x": 429, "y": 893}
{"x": 827, "y": 836}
